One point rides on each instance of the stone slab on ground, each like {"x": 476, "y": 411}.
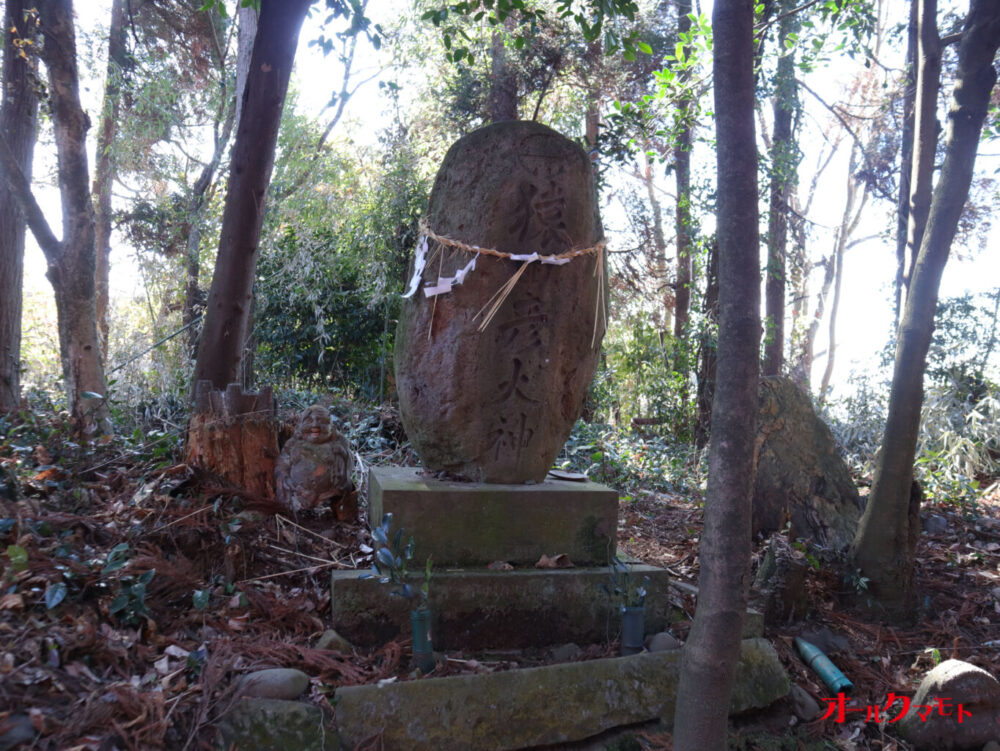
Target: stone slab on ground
{"x": 479, "y": 609}
{"x": 465, "y": 523}
{"x": 525, "y": 708}
{"x": 275, "y": 725}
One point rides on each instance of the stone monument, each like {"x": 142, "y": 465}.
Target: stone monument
{"x": 499, "y": 335}
{"x": 501, "y": 331}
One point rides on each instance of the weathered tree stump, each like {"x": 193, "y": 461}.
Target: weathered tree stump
{"x": 235, "y": 435}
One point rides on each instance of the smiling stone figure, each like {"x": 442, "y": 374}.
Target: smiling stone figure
{"x": 315, "y": 464}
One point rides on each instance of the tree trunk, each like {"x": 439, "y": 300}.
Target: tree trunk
{"x": 784, "y": 157}
{"x": 104, "y": 168}
{"x": 709, "y": 660}
{"x": 708, "y": 348}
{"x": 657, "y": 260}
{"x": 71, "y": 261}
{"x": 235, "y": 435}
{"x": 73, "y": 273}
{"x": 192, "y": 230}
{"x": 882, "y": 548}
{"x": 682, "y": 216}
{"x": 798, "y": 277}
{"x": 906, "y": 154}
{"x": 925, "y": 137}
{"x": 246, "y": 32}
{"x": 18, "y": 126}
{"x": 503, "y": 82}
{"x": 848, "y": 223}
{"x": 220, "y": 348}
{"x": 592, "y": 118}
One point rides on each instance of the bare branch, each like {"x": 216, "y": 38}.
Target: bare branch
{"x": 21, "y": 190}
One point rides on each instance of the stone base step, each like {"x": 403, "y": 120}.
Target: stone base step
{"x": 537, "y": 706}
{"x": 473, "y": 524}
{"x": 476, "y": 609}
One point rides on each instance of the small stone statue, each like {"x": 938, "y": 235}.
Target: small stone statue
{"x": 315, "y": 464}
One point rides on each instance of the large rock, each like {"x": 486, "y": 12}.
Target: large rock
{"x": 933, "y": 719}
{"x": 497, "y": 405}
{"x": 538, "y": 706}
{"x": 800, "y": 476}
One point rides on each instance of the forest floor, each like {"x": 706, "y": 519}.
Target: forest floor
{"x": 98, "y": 653}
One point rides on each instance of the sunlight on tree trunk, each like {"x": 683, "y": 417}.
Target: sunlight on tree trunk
{"x": 710, "y": 654}
{"x": 882, "y": 547}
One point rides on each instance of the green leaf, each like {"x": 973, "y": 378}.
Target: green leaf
{"x": 643, "y": 47}
{"x": 118, "y": 604}
{"x": 117, "y": 558}
{"x": 54, "y": 594}
{"x": 90, "y": 395}
{"x": 200, "y": 598}
{"x": 18, "y": 557}
{"x": 385, "y": 557}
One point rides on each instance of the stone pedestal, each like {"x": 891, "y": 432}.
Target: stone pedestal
{"x": 476, "y": 609}
{"x": 473, "y": 524}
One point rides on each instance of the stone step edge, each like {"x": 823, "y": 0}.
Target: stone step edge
{"x": 537, "y": 706}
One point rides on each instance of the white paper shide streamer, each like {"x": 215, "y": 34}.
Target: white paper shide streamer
{"x": 444, "y": 284}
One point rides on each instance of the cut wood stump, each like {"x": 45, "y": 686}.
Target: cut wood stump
{"x": 235, "y": 435}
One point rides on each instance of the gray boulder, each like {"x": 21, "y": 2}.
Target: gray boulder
{"x": 800, "y": 476}
{"x": 932, "y": 721}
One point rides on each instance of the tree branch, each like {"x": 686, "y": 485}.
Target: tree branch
{"x": 848, "y": 128}
{"x": 21, "y": 190}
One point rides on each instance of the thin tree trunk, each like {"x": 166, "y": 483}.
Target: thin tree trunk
{"x": 803, "y": 332}
{"x": 784, "y": 157}
{"x": 220, "y": 348}
{"x": 682, "y": 216}
{"x": 71, "y": 261}
{"x": 18, "y": 126}
{"x": 658, "y": 259}
{"x": 710, "y": 654}
{"x": 104, "y": 168}
{"x": 798, "y": 276}
{"x": 906, "y": 154}
{"x": 848, "y": 224}
{"x": 592, "y": 119}
{"x": 883, "y": 546}
{"x": 925, "y": 136}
